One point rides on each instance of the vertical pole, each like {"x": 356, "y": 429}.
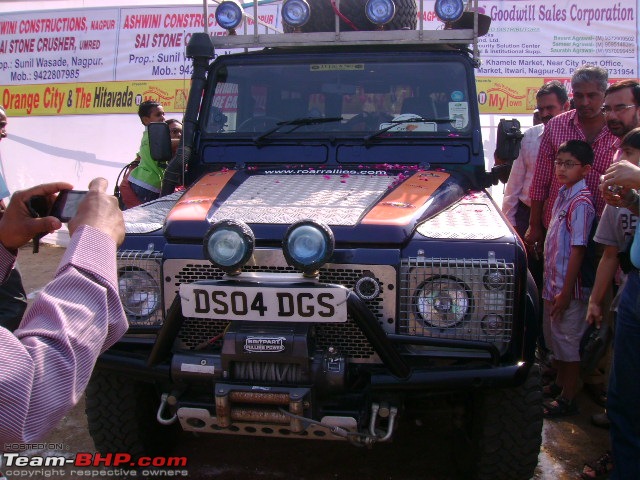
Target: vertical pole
{"x": 205, "y": 15}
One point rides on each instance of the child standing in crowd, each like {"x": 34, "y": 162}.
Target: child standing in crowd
{"x": 146, "y": 178}
{"x": 564, "y": 293}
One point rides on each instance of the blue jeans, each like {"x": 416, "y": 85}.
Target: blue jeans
{"x": 623, "y": 395}
{"x": 143, "y": 194}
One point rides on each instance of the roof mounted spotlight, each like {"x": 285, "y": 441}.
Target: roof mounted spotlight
{"x": 380, "y": 12}
{"x": 229, "y": 245}
{"x": 295, "y": 13}
{"x": 307, "y": 245}
{"x": 448, "y": 11}
{"x": 229, "y": 15}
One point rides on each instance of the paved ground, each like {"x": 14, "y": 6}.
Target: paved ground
{"x": 567, "y": 443}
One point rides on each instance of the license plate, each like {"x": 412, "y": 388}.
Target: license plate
{"x": 228, "y": 302}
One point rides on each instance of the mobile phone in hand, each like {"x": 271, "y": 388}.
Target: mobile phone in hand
{"x": 66, "y": 204}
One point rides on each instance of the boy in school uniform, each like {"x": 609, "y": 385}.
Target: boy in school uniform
{"x": 565, "y": 290}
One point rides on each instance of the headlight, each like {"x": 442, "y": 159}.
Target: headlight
{"x": 139, "y": 292}
{"x": 308, "y": 245}
{"x": 229, "y": 245}
{"x": 295, "y": 13}
{"x": 442, "y": 302}
{"x": 380, "y": 12}
{"x": 449, "y": 10}
{"x": 229, "y": 14}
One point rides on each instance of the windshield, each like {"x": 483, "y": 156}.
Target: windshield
{"x": 372, "y": 99}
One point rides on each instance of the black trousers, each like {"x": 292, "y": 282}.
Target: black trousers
{"x": 13, "y": 301}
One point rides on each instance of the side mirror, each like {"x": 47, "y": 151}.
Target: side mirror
{"x": 159, "y": 142}
{"x": 508, "y": 141}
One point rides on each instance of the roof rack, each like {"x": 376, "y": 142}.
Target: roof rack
{"x": 458, "y": 34}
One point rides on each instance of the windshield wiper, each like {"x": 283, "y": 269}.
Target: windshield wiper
{"x": 394, "y": 123}
{"x": 296, "y": 123}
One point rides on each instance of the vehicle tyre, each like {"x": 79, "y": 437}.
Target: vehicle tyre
{"x": 323, "y": 20}
{"x": 507, "y": 431}
{"x": 121, "y": 414}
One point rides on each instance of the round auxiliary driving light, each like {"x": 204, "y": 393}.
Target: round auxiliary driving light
{"x": 380, "y": 12}
{"x": 295, "y": 13}
{"x": 308, "y": 245}
{"x": 229, "y": 245}
{"x": 449, "y": 10}
{"x": 229, "y": 14}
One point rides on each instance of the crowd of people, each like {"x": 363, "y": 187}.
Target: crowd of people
{"x": 572, "y": 197}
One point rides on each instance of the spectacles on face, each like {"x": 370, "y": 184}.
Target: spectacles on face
{"x": 567, "y": 165}
{"x": 607, "y": 109}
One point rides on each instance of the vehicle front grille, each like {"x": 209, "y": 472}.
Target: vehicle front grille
{"x": 465, "y": 299}
{"x": 347, "y": 338}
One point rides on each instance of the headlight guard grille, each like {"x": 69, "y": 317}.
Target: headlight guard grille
{"x": 149, "y": 262}
{"x": 489, "y": 284}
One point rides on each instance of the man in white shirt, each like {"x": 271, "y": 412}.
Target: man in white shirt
{"x": 551, "y": 100}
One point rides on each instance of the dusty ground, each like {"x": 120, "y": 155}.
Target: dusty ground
{"x": 567, "y": 443}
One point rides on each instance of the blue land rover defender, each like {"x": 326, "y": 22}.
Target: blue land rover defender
{"x": 334, "y": 267}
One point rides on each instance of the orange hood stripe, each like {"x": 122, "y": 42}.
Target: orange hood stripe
{"x": 401, "y": 205}
{"x": 195, "y": 204}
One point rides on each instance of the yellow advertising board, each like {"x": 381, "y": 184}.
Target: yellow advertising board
{"x": 92, "y": 98}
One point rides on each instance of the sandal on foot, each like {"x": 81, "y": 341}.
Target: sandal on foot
{"x": 560, "y": 407}
{"x": 552, "y": 390}
{"x": 598, "y": 469}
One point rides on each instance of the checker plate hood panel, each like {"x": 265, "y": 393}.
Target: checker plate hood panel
{"x": 370, "y": 207}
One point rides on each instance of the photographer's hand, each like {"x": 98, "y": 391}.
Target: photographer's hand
{"x": 18, "y": 225}
{"x": 622, "y": 173}
{"x": 101, "y": 211}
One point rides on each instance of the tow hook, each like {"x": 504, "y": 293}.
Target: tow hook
{"x": 382, "y": 411}
{"x": 164, "y": 401}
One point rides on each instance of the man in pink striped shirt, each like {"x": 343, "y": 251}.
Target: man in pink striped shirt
{"x": 587, "y": 123}
{"x": 47, "y": 362}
